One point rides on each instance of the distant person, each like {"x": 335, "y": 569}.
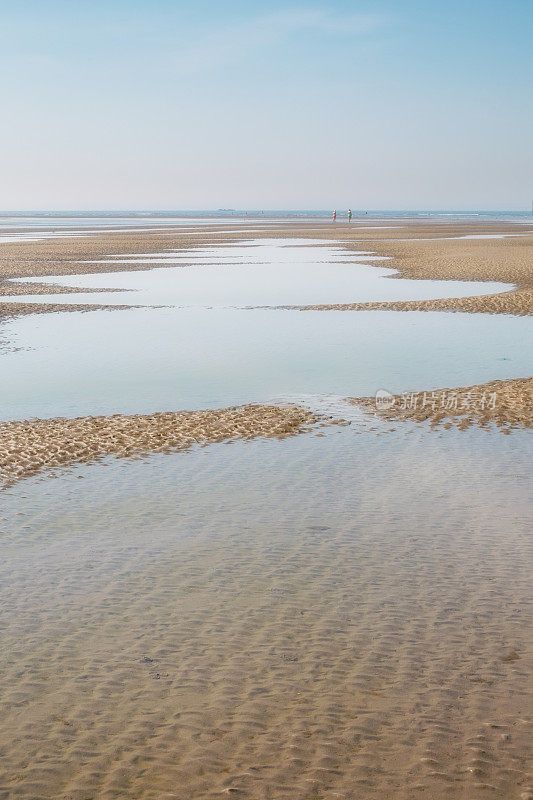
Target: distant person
{"x": 349, "y": 215}
{"x": 334, "y": 216}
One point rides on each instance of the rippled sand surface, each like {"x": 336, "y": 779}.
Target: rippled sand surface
{"x": 36, "y": 445}
{"x": 506, "y": 404}
{"x": 340, "y": 615}
{"x": 439, "y": 251}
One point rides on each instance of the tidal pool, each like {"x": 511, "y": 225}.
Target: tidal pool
{"x": 141, "y": 360}
{"x": 265, "y": 272}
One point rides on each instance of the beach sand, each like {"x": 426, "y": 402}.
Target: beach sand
{"x": 509, "y": 260}
{"x": 43, "y": 444}
{"x": 505, "y": 404}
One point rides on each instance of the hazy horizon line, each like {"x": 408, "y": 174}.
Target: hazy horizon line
{"x": 205, "y": 210}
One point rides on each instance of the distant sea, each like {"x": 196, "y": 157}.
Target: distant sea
{"x": 231, "y": 212}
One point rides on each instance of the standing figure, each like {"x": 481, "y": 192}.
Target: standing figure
{"x": 349, "y": 215}
{"x": 334, "y": 216}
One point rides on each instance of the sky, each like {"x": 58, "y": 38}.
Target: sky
{"x": 166, "y": 104}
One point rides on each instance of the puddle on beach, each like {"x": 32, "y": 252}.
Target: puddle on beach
{"x": 267, "y": 272}
{"x": 341, "y": 612}
{"x": 203, "y": 351}
{"x": 144, "y": 360}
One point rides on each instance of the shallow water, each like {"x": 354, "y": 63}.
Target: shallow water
{"x": 210, "y": 353}
{"x": 143, "y": 360}
{"x": 29, "y": 228}
{"x": 337, "y": 615}
{"x": 54, "y": 222}
{"x": 36, "y": 229}
{"x": 264, "y": 272}
{"x": 266, "y": 617}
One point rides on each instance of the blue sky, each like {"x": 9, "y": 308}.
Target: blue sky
{"x": 160, "y": 104}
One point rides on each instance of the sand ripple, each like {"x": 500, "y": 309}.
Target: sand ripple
{"x": 30, "y": 446}
{"x": 438, "y": 253}
{"x": 507, "y": 404}
{"x": 519, "y": 302}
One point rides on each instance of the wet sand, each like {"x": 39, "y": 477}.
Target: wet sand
{"x": 11, "y": 310}
{"x": 29, "y": 447}
{"x": 508, "y": 259}
{"x": 506, "y": 404}
{"x": 343, "y": 618}
{"x": 517, "y": 301}
{"x": 15, "y": 309}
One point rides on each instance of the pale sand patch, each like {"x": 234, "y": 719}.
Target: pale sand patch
{"x": 30, "y": 446}
{"x": 507, "y": 404}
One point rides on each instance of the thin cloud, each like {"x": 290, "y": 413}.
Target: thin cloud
{"x": 239, "y": 40}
